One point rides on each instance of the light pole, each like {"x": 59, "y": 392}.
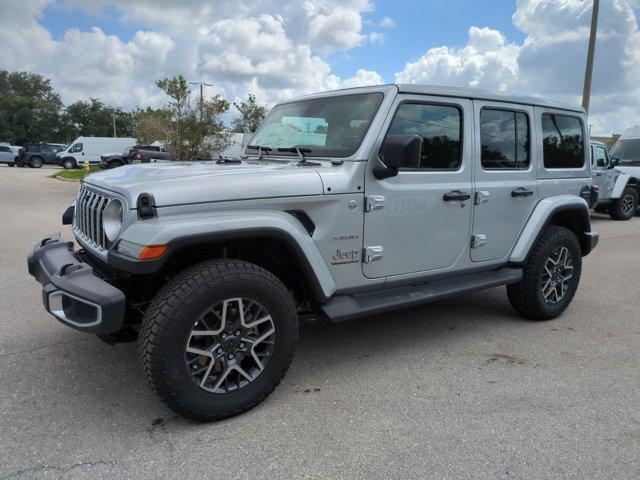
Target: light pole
{"x": 586, "y": 92}
{"x": 201, "y": 94}
{"x": 113, "y": 117}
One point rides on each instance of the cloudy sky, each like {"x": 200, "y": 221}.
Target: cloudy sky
{"x": 115, "y": 49}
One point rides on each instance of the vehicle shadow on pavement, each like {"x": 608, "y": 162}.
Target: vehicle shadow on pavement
{"x": 96, "y": 379}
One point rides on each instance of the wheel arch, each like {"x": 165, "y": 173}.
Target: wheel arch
{"x": 567, "y": 211}
{"x": 276, "y": 241}
{"x": 621, "y": 183}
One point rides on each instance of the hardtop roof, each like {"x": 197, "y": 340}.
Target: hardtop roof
{"x": 450, "y": 91}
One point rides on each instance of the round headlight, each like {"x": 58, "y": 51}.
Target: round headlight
{"x": 112, "y": 219}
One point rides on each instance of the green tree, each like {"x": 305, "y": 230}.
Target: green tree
{"x": 94, "y": 119}
{"x": 251, "y": 115}
{"x": 29, "y": 108}
{"x": 189, "y": 127}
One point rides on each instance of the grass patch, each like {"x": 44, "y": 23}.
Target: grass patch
{"x": 73, "y": 174}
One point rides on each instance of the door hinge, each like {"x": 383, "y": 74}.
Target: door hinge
{"x": 373, "y": 202}
{"x": 482, "y": 196}
{"x": 479, "y": 240}
{"x": 371, "y": 254}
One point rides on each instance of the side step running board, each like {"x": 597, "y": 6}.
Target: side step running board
{"x": 346, "y": 307}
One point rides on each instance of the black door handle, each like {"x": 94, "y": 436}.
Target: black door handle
{"x": 521, "y": 192}
{"x": 456, "y": 195}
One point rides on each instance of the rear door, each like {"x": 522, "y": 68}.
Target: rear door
{"x": 506, "y": 185}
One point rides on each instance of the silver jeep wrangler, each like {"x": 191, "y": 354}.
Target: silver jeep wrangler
{"x": 618, "y": 192}
{"x": 346, "y": 204}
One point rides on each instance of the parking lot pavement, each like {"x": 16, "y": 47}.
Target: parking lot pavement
{"x": 456, "y": 389}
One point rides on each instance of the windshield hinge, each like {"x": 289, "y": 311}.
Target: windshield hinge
{"x": 373, "y": 202}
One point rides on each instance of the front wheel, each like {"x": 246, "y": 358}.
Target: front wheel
{"x": 550, "y": 276}
{"x": 69, "y": 164}
{"x": 11, "y": 164}
{"x": 625, "y": 207}
{"x": 218, "y": 338}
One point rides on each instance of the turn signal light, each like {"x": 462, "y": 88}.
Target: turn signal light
{"x": 151, "y": 252}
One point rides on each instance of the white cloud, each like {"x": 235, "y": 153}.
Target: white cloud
{"x": 387, "y": 22}
{"x": 550, "y": 62}
{"x": 376, "y": 38}
{"x": 486, "y": 61}
{"x": 275, "y": 48}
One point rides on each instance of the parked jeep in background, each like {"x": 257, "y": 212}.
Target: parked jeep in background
{"x": 617, "y": 192}
{"x": 135, "y": 154}
{"x": 39, "y": 154}
{"x": 346, "y": 204}
{"x": 8, "y": 155}
{"x": 625, "y": 155}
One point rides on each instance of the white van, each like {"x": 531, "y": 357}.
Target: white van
{"x": 91, "y": 149}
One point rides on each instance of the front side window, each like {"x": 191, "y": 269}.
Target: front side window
{"x": 628, "y": 151}
{"x": 562, "y": 141}
{"x": 439, "y": 128}
{"x": 599, "y": 156}
{"x": 5, "y": 149}
{"x": 47, "y": 149}
{"x": 504, "y": 139}
{"x": 76, "y": 148}
{"x": 329, "y": 126}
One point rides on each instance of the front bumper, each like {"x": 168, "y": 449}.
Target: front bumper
{"x": 590, "y": 241}
{"x": 72, "y": 292}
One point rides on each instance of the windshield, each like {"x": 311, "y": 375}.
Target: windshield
{"x": 326, "y": 127}
{"x": 628, "y": 151}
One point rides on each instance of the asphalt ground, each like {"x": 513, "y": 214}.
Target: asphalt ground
{"x": 462, "y": 388}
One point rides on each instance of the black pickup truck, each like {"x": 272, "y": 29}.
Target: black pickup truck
{"x": 135, "y": 154}
{"x": 36, "y": 155}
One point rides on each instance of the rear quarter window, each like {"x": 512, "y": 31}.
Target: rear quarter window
{"x": 562, "y": 141}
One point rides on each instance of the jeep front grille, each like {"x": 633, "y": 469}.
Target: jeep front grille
{"x": 87, "y": 224}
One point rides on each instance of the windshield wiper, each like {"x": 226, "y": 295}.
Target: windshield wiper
{"x": 629, "y": 162}
{"x": 300, "y": 152}
{"x": 261, "y": 150}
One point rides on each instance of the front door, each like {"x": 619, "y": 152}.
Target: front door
{"x": 506, "y": 185}
{"x": 601, "y": 174}
{"x": 420, "y": 219}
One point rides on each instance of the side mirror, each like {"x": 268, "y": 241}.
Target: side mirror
{"x": 398, "y": 151}
{"x": 614, "y": 162}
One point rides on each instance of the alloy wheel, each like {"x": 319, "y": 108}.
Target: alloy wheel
{"x": 230, "y": 345}
{"x": 557, "y": 275}
{"x": 627, "y": 204}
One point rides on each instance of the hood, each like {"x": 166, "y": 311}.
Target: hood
{"x": 631, "y": 170}
{"x": 186, "y": 183}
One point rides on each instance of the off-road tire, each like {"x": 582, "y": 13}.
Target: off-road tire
{"x": 36, "y": 162}
{"x": 115, "y": 164}
{"x": 617, "y": 209}
{"x": 526, "y": 296}
{"x": 168, "y": 321}
{"x": 68, "y": 164}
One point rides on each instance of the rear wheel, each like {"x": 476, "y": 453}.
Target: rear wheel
{"x": 11, "y": 164}
{"x": 36, "y": 162}
{"x": 625, "y": 207}
{"x": 550, "y": 276}
{"x": 218, "y": 339}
